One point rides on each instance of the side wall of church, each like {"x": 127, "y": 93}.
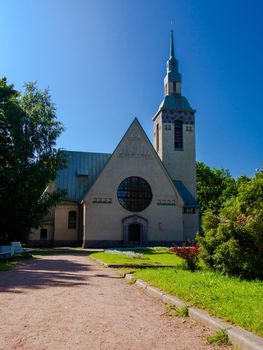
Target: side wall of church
{"x": 46, "y": 223}
{"x": 191, "y": 226}
{"x": 56, "y": 224}
{"x": 63, "y": 235}
{"x": 35, "y": 237}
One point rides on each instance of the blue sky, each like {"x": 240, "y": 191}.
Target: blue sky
{"x": 104, "y": 62}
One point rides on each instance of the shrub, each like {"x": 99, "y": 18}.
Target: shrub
{"x": 232, "y": 242}
{"x": 189, "y": 254}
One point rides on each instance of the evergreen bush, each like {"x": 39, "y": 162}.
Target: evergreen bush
{"x": 232, "y": 242}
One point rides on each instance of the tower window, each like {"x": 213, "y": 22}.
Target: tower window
{"x": 166, "y": 89}
{"x": 72, "y": 219}
{"x": 157, "y": 137}
{"x": 178, "y": 134}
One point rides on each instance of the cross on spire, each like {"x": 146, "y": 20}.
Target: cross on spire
{"x": 172, "y": 43}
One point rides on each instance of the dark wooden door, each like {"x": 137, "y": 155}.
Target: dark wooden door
{"x": 134, "y": 233}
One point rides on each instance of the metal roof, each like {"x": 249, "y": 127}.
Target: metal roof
{"x": 175, "y": 102}
{"x": 81, "y": 171}
{"x": 187, "y": 197}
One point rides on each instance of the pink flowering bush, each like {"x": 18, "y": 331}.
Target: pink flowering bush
{"x": 189, "y": 254}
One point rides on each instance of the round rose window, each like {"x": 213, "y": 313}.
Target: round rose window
{"x": 134, "y": 194}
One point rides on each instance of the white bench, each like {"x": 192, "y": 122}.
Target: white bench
{"x": 6, "y": 252}
{"x": 18, "y": 249}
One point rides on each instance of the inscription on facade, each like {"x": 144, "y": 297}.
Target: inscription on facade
{"x": 166, "y": 202}
{"x": 135, "y": 147}
{"x": 102, "y": 200}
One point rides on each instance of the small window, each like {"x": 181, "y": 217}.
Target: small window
{"x": 189, "y": 210}
{"x": 166, "y": 89}
{"x": 82, "y": 172}
{"x": 72, "y": 219}
{"x": 178, "y": 135}
{"x": 157, "y": 137}
{"x": 43, "y": 233}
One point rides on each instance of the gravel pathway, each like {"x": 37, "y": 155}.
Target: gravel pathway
{"x": 68, "y": 302}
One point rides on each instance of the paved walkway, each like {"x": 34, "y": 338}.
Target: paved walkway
{"x": 68, "y": 302}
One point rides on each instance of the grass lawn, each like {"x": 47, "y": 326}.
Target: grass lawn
{"x": 240, "y": 302}
{"x": 150, "y": 257}
{"x": 5, "y": 266}
{"x": 8, "y": 265}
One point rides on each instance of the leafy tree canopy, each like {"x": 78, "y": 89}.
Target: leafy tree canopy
{"x": 214, "y": 187}
{"x": 28, "y": 158}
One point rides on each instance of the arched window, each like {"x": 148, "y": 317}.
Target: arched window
{"x": 72, "y": 219}
{"x": 178, "y": 134}
{"x": 157, "y": 137}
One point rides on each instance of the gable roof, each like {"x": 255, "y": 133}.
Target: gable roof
{"x": 154, "y": 153}
{"x": 83, "y": 169}
{"x": 80, "y": 173}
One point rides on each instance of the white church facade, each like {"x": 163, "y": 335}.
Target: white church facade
{"x": 141, "y": 194}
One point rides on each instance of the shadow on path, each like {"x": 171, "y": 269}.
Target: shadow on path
{"x": 43, "y": 273}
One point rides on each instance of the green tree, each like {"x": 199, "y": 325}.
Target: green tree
{"x": 233, "y": 240}
{"x": 214, "y": 187}
{"x": 28, "y": 158}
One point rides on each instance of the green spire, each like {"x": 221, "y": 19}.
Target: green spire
{"x": 172, "y": 44}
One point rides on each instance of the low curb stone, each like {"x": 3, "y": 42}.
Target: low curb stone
{"x": 239, "y": 337}
{"x": 244, "y": 339}
{"x": 141, "y": 284}
{"x": 208, "y": 320}
{"x": 137, "y": 266}
{"x": 155, "y": 292}
{"x": 169, "y": 299}
{"x": 129, "y": 277}
{"x": 133, "y": 266}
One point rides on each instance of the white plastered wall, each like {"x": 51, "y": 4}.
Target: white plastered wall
{"x": 35, "y": 233}
{"x": 191, "y": 225}
{"x": 48, "y": 223}
{"x": 180, "y": 164}
{"x": 62, "y": 232}
{"x": 134, "y": 156}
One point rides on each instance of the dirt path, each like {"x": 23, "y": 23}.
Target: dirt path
{"x": 68, "y": 302}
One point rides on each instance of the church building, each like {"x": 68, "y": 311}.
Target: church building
{"x": 141, "y": 194}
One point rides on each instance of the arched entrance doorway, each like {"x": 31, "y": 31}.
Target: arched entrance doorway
{"x": 134, "y": 230}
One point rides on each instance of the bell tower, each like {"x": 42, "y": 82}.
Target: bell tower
{"x": 174, "y": 128}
